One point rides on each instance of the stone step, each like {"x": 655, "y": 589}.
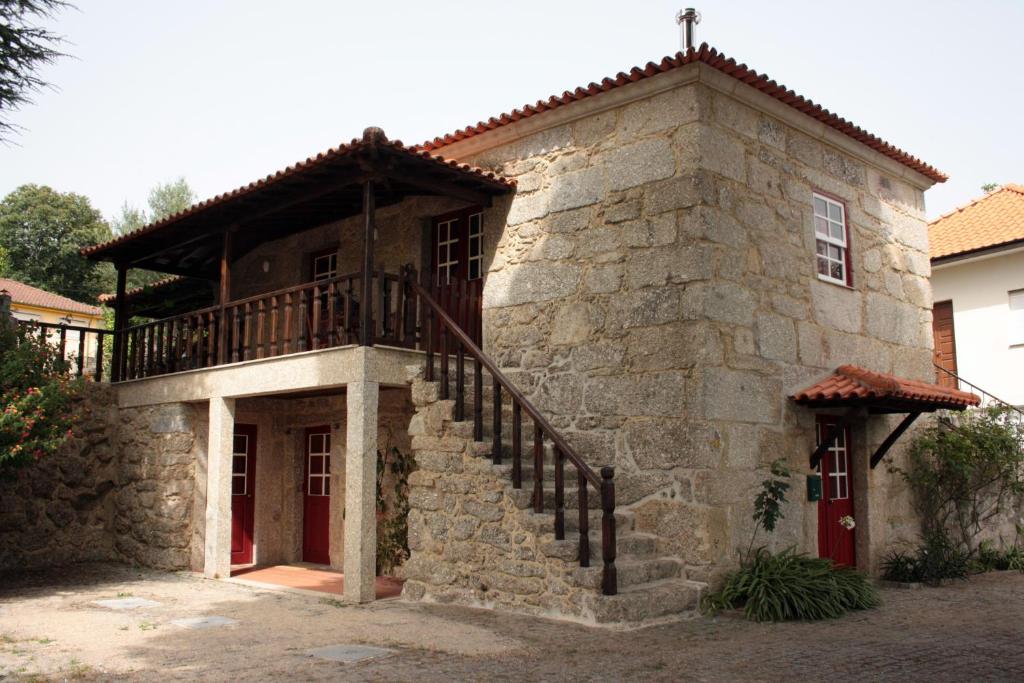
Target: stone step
{"x": 651, "y": 602}
{"x": 631, "y": 572}
{"x": 544, "y": 523}
{"x": 631, "y": 546}
{"x": 523, "y": 498}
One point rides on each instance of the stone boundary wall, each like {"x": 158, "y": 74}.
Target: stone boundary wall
{"x": 59, "y": 511}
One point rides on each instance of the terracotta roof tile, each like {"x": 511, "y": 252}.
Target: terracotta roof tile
{"x": 302, "y": 166}
{"x": 990, "y": 221}
{"x": 129, "y": 293}
{"x": 33, "y": 296}
{"x": 851, "y": 383}
{"x": 716, "y": 60}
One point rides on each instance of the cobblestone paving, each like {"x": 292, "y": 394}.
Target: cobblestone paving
{"x": 970, "y": 631}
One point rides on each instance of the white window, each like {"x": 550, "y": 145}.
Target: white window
{"x": 1017, "y": 317}
{"x": 325, "y": 266}
{"x": 318, "y": 467}
{"x": 838, "y": 464}
{"x": 476, "y": 246}
{"x": 447, "y": 251}
{"x": 831, "y": 240}
{"x": 240, "y": 466}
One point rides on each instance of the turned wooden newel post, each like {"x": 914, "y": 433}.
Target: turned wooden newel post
{"x": 117, "y": 362}
{"x": 609, "y": 579}
{"x": 225, "y": 294}
{"x": 371, "y": 138}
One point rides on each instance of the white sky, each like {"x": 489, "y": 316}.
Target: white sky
{"x": 223, "y": 93}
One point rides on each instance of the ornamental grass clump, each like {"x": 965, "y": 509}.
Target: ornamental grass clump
{"x": 789, "y": 586}
{"x": 35, "y": 398}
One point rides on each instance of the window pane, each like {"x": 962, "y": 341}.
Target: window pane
{"x": 835, "y": 253}
{"x": 241, "y": 443}
{"x": 238, "y": 464}
{"x": 820, "y": 225}
{"x": 836, "y": 271}
{"x": 315, "y": 486}
{"x": 238, "y": 486}
{"x": 837, "y": 232}
{"x": 327, "y": 464}
{"x": 835, "y": 212}
{"x": 316, "y": 443}
{"x": 327, "y": 443}
{"x": 822, "y": 266}
{"x": 820, "y": 208}
{"x": 316, "y": 464}
{"x": 821, "y": 248}
{"x": 327, "y": 486}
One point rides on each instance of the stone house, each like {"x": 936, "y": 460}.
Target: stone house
{"x": 593, "y": 321}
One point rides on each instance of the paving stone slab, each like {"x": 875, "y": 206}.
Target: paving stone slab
{"x": 349, "y": 653}
{"x": 126, "y": 603}
{"x": 204, "y": 622}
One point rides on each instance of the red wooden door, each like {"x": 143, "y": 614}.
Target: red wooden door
{"x": 457, "y": 267}
{"x": 316, "y": 489}
{"x": 944, "y": 339}
{"x": 243, "y": 489}
{"x": 835, "y": 541}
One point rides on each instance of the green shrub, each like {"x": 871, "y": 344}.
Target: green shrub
{"x": 937, "y": 559}
{"x": 792, "y": 586}
{"x": 901, "y": 567}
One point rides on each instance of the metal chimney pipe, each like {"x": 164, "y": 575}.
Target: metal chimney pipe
{"x": 687, "y": 19}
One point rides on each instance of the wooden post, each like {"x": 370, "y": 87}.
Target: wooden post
{"x": 366, "y": 308}
{"x": 609, "y": 578}
{"x": 225, "y": 294}
{"x": 116, "y": 364}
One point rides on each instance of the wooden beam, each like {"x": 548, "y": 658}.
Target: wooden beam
{"x": 442, "y": 187}
{"x": 891, "y": 439}
{"x": 366, "y": 305}
{"x": 225, "y": 296}
{"x": 119, "y": 320}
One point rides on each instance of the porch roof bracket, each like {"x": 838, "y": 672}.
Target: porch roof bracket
{"x": 826, "y": 443}
{"x": 892, "y": 438}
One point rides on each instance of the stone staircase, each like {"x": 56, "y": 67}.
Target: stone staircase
{"x": 476, "y": 540}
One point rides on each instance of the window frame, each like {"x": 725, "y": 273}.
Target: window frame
{"x": 323, "y": 477}
{"x": 844, "y": 245}
{"x": 457, "y": 246}
{"x": 316, "y": 256}
{"x": 1015, "y": 327}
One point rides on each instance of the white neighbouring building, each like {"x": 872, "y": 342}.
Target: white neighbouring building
{"x": 977, "y": 254}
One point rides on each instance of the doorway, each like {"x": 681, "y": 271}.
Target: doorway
{"x": 835, "y": 541}
{"x": 316, "y": 490}
{"x": 457, "y": 262}
{"x": 944, "y": 339}
{"x": 243, "y": 489}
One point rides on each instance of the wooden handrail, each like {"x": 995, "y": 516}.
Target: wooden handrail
{"x": 80, "y": 361}
{"x": 604, "y": 483}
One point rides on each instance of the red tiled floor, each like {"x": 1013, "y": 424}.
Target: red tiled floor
{"x": 313, "y": 579}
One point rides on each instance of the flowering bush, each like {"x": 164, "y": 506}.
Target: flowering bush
{"x": 35, "y": 398}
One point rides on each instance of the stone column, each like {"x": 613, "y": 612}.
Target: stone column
{"x": 217, "y": 560}
{"x": 360, "y": 560}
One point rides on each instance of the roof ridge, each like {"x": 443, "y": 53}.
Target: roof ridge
{"x": 717, "y": 60}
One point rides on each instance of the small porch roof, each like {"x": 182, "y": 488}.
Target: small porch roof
{"x": 854, "y": 386}
{"x": 319, "y": 190}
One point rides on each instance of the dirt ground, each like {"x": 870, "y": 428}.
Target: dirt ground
{"x": 51, "y": 630}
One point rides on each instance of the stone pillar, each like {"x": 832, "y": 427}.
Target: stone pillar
{"x": 217, "y": 560}
{"x": 360, "y": 559}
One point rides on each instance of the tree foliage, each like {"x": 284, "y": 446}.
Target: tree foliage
{"x": 24, "y": 48}
{"x": 964, "y": 470}
{"x": 35, "y": 399}
{"x": 42, "y": 230}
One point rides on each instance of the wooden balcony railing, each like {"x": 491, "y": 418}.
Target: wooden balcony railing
{"x": 315, "y": 315}
{"x": 81, "y": 347}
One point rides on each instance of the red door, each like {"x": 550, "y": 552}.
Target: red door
{"x": 316, "y": 518}
{"x": 457, "y": 262}
{"x": 835, "y": 508}
{"x": 944, "y": 339}
{"x": 243, "y": 488}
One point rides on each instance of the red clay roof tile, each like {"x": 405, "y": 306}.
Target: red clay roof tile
{"x": 990, "y": 221}
{"x": 853, "y": 383}
{"x": 33, "y": 296}
{"x": 716, "y": 60}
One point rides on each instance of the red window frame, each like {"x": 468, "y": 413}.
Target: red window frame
{"x": 847, "y": 248}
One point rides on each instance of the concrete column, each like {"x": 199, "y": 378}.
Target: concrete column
{"x": 360, "y": 560}
{"x": 217, "y": 560}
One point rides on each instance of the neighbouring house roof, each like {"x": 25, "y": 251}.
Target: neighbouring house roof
{"x": 303, "y": 195}
{"x": 851, "y": 385}
{"x": 166, "y": 297}
{"x": 33, "y": 296}
{"x": 716, "y": 60}
{"x": 995, "y": 220}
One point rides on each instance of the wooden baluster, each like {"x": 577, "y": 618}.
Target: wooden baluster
{"x": 160, "y": 364}
{"x": 81, "y": 352}
{"x": 430, "y": 330}
{"x": 517, "y": 445}
{"x": 559, "y": 494}
{"x": 314, "y": 332}
{"x": 460, "y": 367}
{"x": 247, "y": 333}
{"x": 63, "y": 341}
{"x": 236, "y": 332}
{"x": 538, "y": 469}
{"x": 609, "y": 579}
{"x": 214, "y": 328}
{"x": 150, "y": 350}
{"x": 332, "y": 321}
{"x": 185, "y": 344}
{"x": 287, "y": 323}
{"x": 261, "y": 322}
{"x": 411, "y": 305}
{"x": 478, "y": 400}
{"x": 446, "y": 351}
{"x": 273, "y": 326}
{"x": 133, "y": 358}
{"x": 99, "y": 357}
{"x": 496, "y": 443}
{"x": 172, "y": 345}
{"x": 385, "y": 306}
{"x": 402, "y": 310}
{"x": 303, "y": 322}
{"x": 584, "y": 505}
{"x": 351, "y": 314}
